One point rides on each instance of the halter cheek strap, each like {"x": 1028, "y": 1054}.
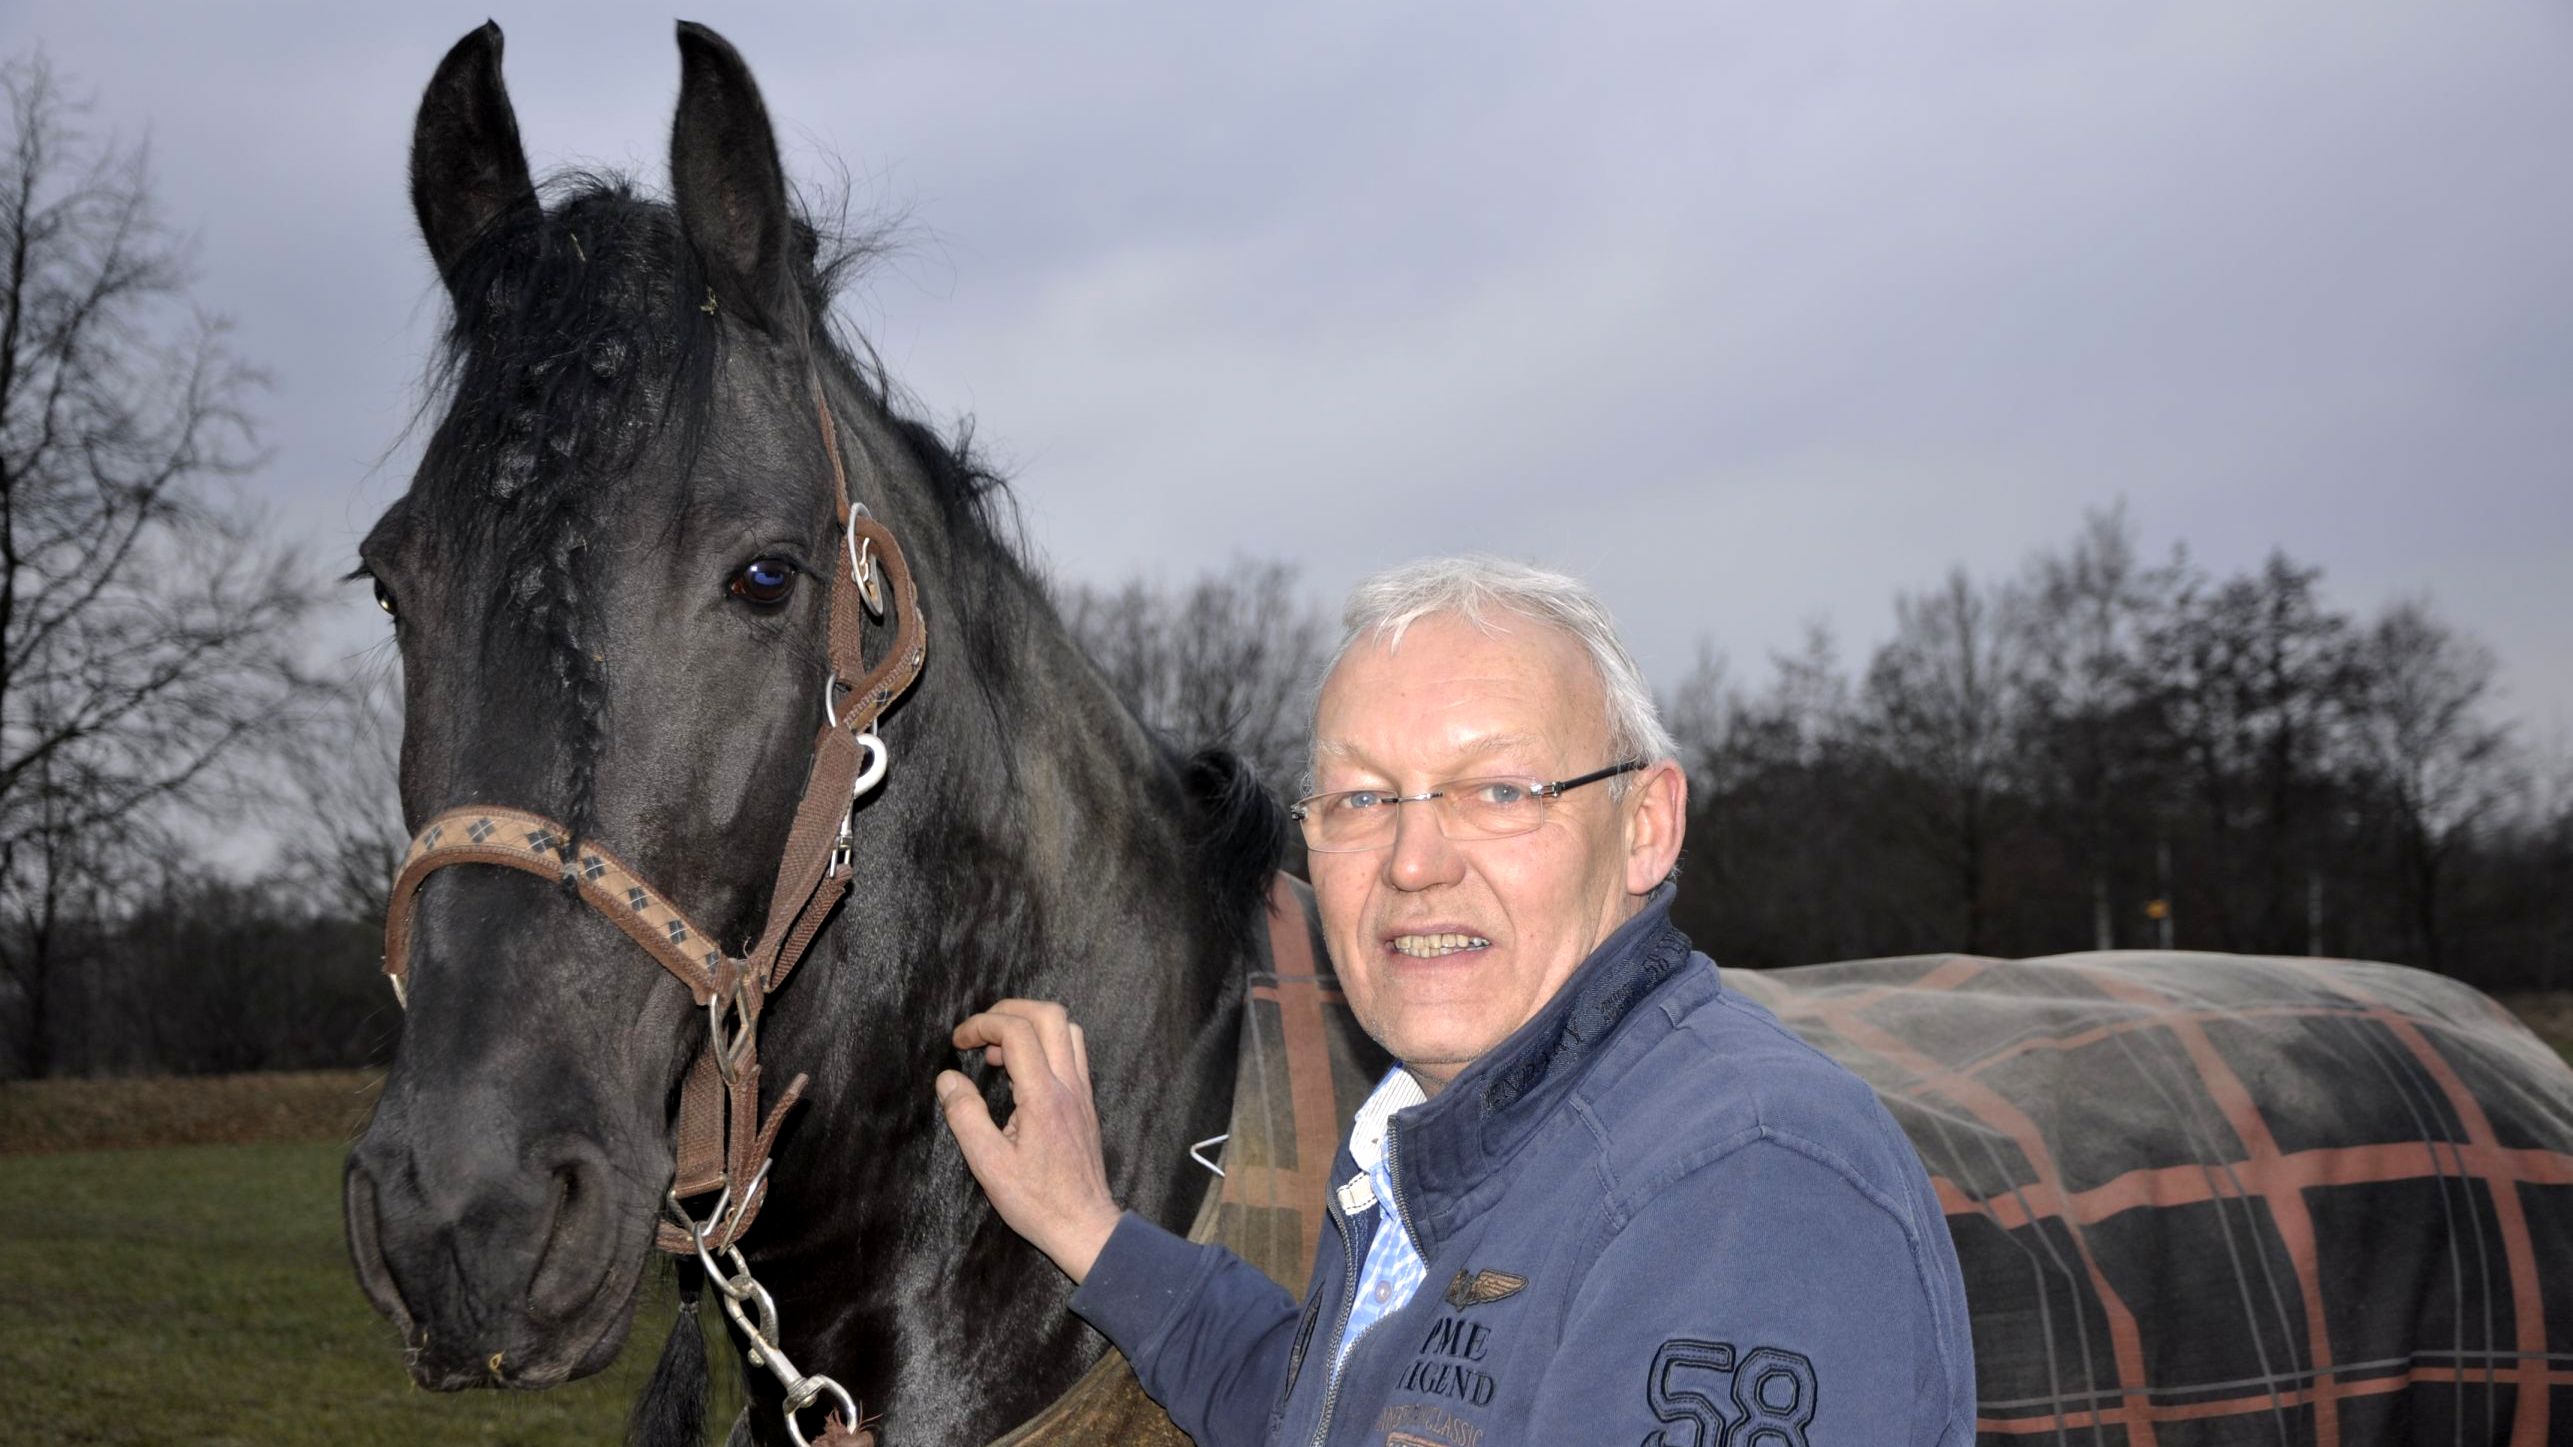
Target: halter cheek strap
{"x": 722, "y": 1143}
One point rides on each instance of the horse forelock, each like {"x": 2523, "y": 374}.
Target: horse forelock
{"x": 568, "y": 353}
{"x": 581, "y": 335}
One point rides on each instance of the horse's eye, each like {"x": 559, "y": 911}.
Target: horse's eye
{"x": 384, "y": 599}
{"x": 763, "y": 582}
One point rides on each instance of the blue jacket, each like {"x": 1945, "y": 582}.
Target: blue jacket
{"x": 1651, "y": 1216}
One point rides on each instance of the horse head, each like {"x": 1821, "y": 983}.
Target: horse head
{"x": 611, "y": 582}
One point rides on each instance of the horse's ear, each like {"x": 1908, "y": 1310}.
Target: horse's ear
{"x": 730, "y": 189}
{"x": 467, "y": 167}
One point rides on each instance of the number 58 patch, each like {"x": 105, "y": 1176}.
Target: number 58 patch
{"x": 1768, "y": 1400}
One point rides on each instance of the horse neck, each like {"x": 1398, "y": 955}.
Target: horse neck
{"x": 1032, "y": 840}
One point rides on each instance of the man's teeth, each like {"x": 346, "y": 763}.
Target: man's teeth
{"x": 1427, "y": 946}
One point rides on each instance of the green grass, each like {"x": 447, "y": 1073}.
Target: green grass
{"x": 201, "y": 1294}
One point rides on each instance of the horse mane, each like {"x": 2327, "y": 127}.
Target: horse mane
{"x": 1241, "y": 838}
{"x": 581, "y": 334}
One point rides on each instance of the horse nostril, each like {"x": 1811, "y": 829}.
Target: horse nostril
{"x": 360, "y": 1214}
{"x": 578, "y": 1243}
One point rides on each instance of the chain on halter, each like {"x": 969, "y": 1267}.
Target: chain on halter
{"x": 754, "y": 1313}
{"x": 722, "y": 1140}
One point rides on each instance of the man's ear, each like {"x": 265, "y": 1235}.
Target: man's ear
{"x": 1657, "y": 820}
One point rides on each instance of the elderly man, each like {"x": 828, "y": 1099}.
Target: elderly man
{"x": 1602, "y": 1199}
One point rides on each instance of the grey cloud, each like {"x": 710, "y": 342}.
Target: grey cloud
{"x": 1754, "y": 312}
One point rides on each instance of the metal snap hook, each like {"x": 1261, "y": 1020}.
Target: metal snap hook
{"x": 803, "y": 1394}
{"x": 869, "y": 775}
{"x": 872, "y": 772}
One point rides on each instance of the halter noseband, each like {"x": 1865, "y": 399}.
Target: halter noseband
{"x": 722, "y": 1141}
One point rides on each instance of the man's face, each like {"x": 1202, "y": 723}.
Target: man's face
{"x": 1458, "y": 702}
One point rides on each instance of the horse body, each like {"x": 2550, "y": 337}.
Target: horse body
{"x": 2218, "y": 1198}
{"x": 582, "y": 575}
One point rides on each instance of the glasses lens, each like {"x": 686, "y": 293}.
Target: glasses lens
{"x": 1352, "y": 820}
{"x": 1489, "y": 808}
{"x": 1360, "y": 819}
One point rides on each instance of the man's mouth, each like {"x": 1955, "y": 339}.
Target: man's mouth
{"x": 1430, "y": 947}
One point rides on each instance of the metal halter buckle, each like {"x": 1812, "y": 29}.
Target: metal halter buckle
{"x": 733, "y": 1048}
{"x": 862, "y": 564}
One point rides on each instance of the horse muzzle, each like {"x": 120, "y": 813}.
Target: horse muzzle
{"x": 503, "y": 1262}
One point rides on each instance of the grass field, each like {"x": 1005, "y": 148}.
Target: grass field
{"x": 199, "y": 1293}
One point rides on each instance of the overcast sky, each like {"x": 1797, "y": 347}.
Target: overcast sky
{"x": 1753, "y": 313}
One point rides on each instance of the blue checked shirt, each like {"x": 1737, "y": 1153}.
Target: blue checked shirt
{"x": 1394, "y": 1267}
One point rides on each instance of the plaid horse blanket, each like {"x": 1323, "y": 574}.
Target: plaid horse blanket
{"x": 2208, "y": 1199}
{"x": 2198, "y": 1199}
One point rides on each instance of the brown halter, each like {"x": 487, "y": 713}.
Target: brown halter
{"x": 722, "y": 1142}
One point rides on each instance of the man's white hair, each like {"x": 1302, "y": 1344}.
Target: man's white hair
{"x": 1480, "y": 589}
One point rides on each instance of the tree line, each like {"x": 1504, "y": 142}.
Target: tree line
{"x": 2109, "y": 751}
{"x": 2102, "y": 750}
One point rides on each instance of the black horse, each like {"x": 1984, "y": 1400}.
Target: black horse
{"x": 609, "y": 581}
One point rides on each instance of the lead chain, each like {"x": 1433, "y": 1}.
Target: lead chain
{"x": 754, "y": 1311}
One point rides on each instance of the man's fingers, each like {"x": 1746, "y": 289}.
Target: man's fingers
{"x": 1009, "y": 1041}
{"x": 1051, "y": 1026}
{"x": 1043, "y": 1171}
{"x": 1040, "y": 1030}
{"x": 969, "y": 1118}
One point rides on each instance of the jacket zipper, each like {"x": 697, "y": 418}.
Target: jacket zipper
{"x": 1349, "y": 1249}
{"x": 1348, "y": 1306}
{"x": 1394, "y": 1177}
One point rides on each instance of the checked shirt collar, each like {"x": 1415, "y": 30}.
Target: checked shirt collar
{"x": 1394, "y": 1266}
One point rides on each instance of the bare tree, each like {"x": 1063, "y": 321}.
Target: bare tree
{"x": 2081, "y": 623}
{"x": 2427, "y": 751}
{"x": 339, "y": 823}
{"x": 1785, "y": 863}
{"x": 144, "y": 630}
{"x": 1701, "y": 712}
{"x": 1229, "y": 659}
{"x": 1938, "y": 709}
{"x": 2253, "y": 684}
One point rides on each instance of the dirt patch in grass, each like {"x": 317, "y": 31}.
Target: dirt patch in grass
{"x": 42, "y": 1117}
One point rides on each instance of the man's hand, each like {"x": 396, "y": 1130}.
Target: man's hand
{"x": 1044, "y": 1171}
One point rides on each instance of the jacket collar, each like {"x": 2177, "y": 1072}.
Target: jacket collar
{"x": 1449, "y": 1146}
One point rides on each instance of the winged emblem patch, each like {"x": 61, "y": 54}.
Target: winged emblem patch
{"x": 1475, "y": 1288}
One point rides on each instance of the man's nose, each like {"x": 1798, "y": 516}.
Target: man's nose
{"x": 1422, "y": 855}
